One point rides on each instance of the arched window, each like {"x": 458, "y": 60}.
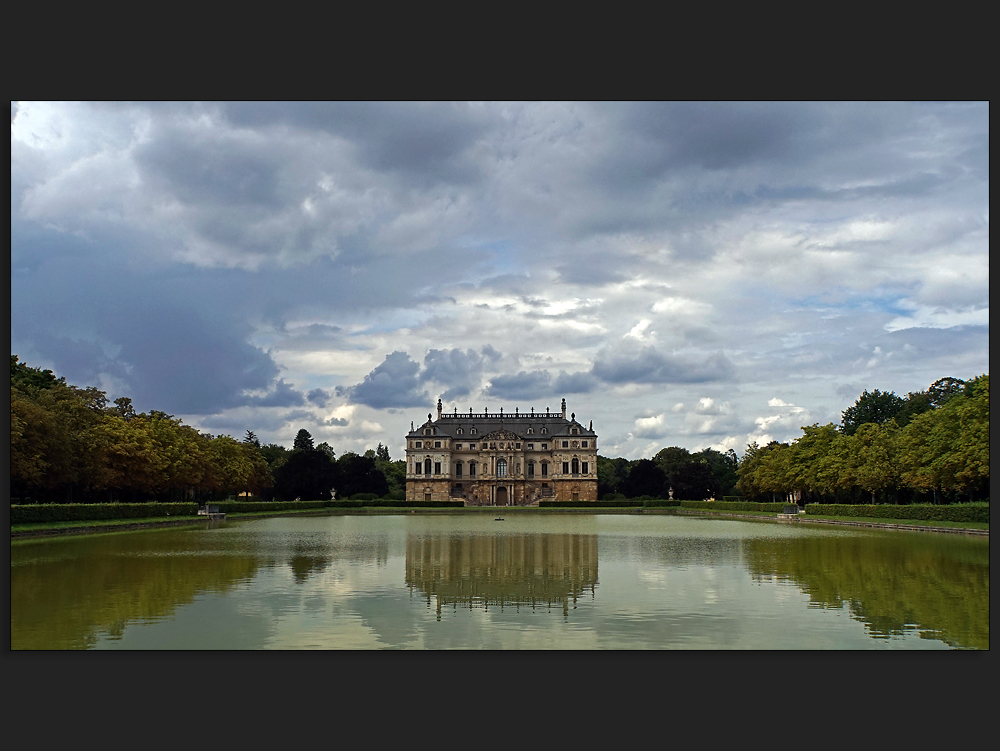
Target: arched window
{"x": 544, "y": 431}
{"x": 501, "y": 468}
{"x": 473, "y": 431}
{"x": 458, "y": 469}
{"x": 427, "y": 466}
{"x": 460, "y": 431}
{"x": 576, "y": 466}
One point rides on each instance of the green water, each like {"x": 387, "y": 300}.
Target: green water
{"x": 534, "y": 581}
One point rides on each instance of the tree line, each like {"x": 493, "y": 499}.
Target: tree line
{"x": 931, "y": 445}
{"x": 70, "y": 444}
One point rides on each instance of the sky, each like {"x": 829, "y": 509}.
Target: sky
{"x": 683, "y": 274}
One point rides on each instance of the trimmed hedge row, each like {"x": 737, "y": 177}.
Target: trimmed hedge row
{"x": 633, "y": 503}
{"x": 733, "y": 506}
{"x": 246, "y": 507}
{"x": 958, "y": 512}
{"x": 389, "y": 503}
{"x": 84, "y": 512}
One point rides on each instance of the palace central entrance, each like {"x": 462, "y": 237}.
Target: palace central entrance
{"x": 501, "y": 497}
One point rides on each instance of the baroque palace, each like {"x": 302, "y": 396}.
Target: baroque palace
{"x": 501, "y": 458}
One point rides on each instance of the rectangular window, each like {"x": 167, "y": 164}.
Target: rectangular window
{"x": 531, "y": 447}
{"x": 545, "y": 447}
{"x": 419, "y": 444}
{"x": 437, "y": 444}
{"x": 531, "y": 470}
{"x": 458, "y": 447}
{"x": 585, "y": 468}
{"x": 565, "y": 468}
{"x": 437, "y": 468}
{"x": 472, "y": 447}
{"x": 565, "y": 444}
{"x": 458, "y": 469}
{"x": 517, "y": 445}
{"x": 472, "y": 469}
{"x": 545, "y": 469}
{"x": 583, "y": 444}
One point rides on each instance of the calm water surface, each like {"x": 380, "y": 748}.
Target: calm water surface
{"x": 534, "y": 581}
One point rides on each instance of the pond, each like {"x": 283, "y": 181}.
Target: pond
{"x": 533, "y": 581}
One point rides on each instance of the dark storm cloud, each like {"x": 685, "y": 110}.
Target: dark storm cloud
{"x": 575, "y": 383}
{"x": 394, "y": 383}
{"x": 174, "y": 348}
{"x": 459, "y": 370}
{"x": 426, "y": 142}
{"x": 523, "y": 386}
{"x": 178, "y": 338}
{"x": 200, "y": 167}
{"x": 283, "y": 395}
{"x": 319, "y": 397}
{"x": 650, "y": 366}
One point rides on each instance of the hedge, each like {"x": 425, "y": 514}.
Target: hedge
{"x": 247, "y": 507}
{"x": 633, "y": 503}
{"x": 733, "y": 506}
{"x": 67, "y": 512}
{"x": 956, "y": 512}
{"x": 390, "y": 503}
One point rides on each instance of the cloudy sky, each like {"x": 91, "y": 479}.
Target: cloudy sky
{"x": 683, "y": 274}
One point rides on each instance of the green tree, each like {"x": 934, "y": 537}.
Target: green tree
{"x": 944, "y": 389}
{"x": 948, "y": 448}
{"x": 876, "y": 407}
{"x": 303, "y": 441}
{"x": 869, "y": 458}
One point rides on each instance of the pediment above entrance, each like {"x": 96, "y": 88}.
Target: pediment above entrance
{"x": 501, "y": 435}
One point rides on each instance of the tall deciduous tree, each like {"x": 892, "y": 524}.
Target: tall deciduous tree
{"x": 876, "y": 407}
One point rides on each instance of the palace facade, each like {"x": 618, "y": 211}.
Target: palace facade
{"x": 501, "y": 458}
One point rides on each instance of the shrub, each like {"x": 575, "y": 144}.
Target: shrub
{"x": 958, "y": 512}
{"x": 733, "y": 506}
{"x": 69, "y": 512}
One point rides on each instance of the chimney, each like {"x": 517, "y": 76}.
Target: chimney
{"x": 564, "y": 408}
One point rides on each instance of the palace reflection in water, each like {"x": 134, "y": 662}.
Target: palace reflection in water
{"x": 464, "y": 581}
{"x": 502, "y": 570}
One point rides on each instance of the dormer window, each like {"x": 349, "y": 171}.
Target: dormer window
{"x": 459, "y": 431}
{"x": 473, "y": 431}
{"x": 574, "y": 431}
{"x": 531, "y": 431}
{"x": 544, "y": 431}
